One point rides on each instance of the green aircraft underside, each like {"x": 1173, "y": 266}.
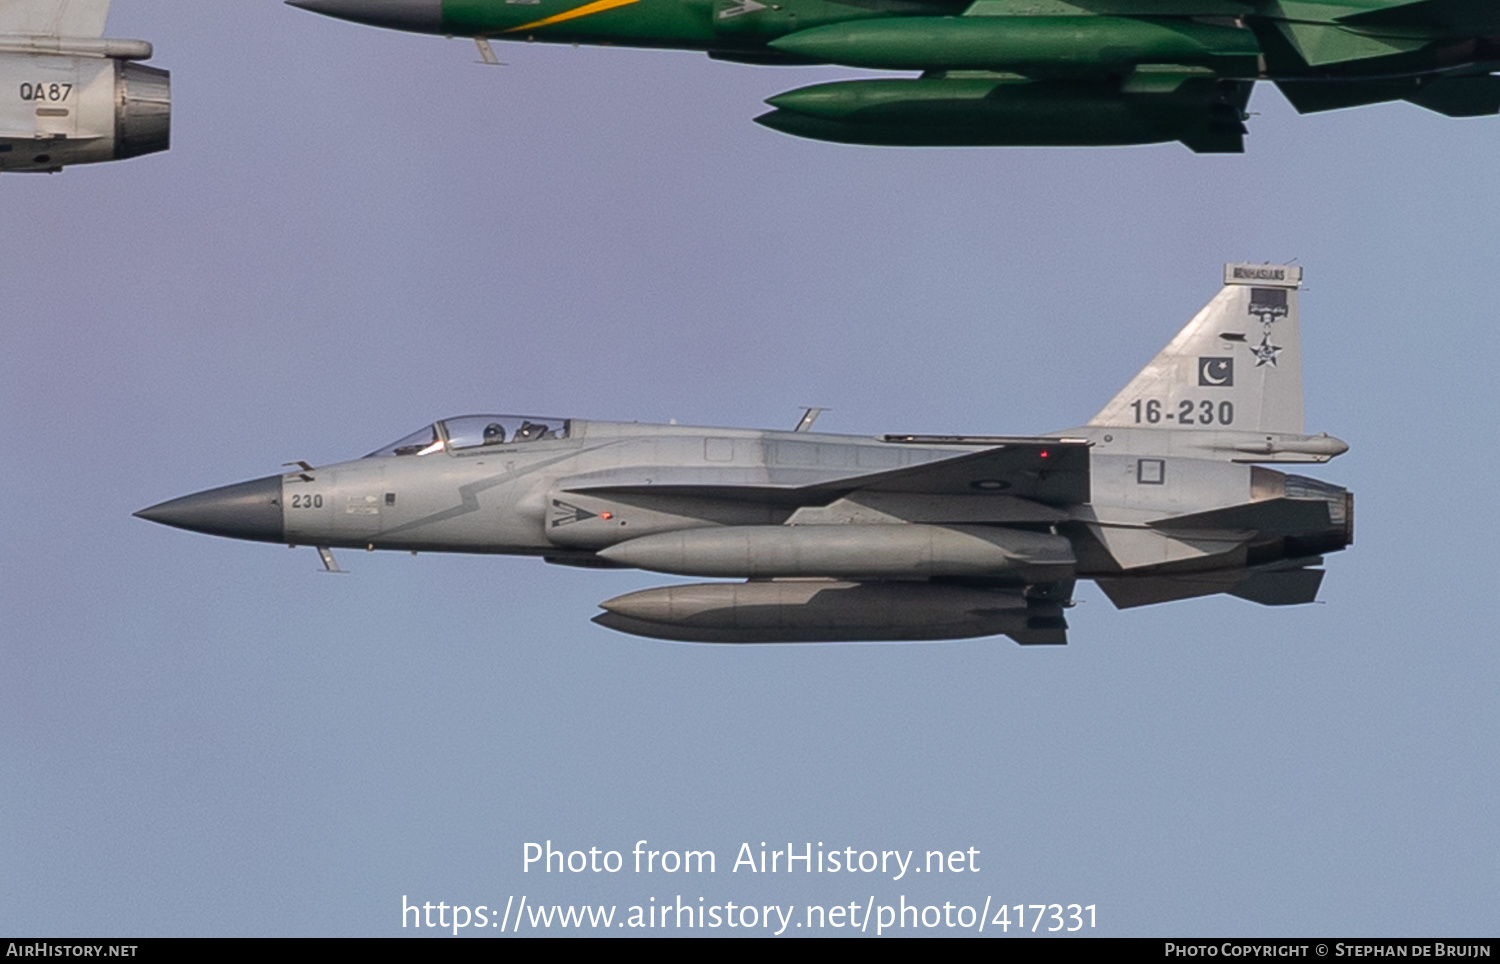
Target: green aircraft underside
{"x": 1030, "y": 72}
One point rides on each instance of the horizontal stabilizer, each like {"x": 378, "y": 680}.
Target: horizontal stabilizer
{"x": 1271, "y": 517}
{"x": 1290, "y": 588}
{"x": 1313, "y": 96}
{"x": 1460, "y": 96}
{"x": 1466, "y": 16}
{"x": 1128, "y": 593}
{"x": 1476, "y": 96}
{"x": 1287, "y": 587}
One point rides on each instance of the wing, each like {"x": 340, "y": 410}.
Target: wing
{"x": 1047, "y": 470}
{"x": 1052, "y": 471}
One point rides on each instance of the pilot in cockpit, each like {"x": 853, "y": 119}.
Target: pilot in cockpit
{"x": 530, "y": 431}
{"x": 494, "y": 434}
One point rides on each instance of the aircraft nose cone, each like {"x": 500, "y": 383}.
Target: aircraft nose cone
{"x": 421, "y": 15}
{"x": 247, "y": 510}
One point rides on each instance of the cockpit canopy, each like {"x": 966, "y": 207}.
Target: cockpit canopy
{"x": 473, "y": 432}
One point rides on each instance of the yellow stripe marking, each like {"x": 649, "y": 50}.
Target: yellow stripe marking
{"x": 598, "y": 6}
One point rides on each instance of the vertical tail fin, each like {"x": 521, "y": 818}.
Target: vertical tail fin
{"x": 1237, "y": 366}
{"x": 53, "y": 18}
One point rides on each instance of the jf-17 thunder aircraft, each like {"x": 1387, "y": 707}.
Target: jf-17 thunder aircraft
{"x": 1163, "y": 495}
{"x": 1028, "y": 72}
{"x": 68, "y": 95}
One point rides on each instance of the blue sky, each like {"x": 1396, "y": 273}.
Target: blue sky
{"x": 359, "y": 231}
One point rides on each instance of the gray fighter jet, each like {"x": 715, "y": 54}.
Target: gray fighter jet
{"x": 1162, "y": 496}
{"x": 70, "y": 96}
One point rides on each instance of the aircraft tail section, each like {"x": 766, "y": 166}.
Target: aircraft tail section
{"x": 1236, "y": 367}
{"x": 53, "y": 18}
